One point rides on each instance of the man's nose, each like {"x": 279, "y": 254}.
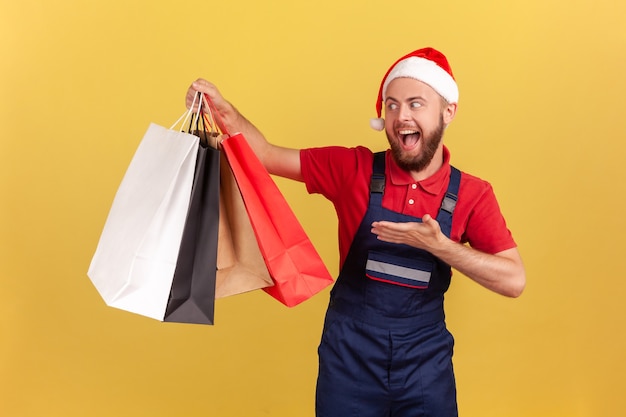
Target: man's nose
{"x": 405, "y": 112}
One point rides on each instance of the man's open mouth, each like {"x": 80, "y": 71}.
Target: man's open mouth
{"x": 409, "y": 137}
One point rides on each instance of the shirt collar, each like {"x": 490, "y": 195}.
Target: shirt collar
{"x": 432, "y": 185}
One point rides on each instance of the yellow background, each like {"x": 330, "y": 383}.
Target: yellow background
{"x": 541, "y": 116}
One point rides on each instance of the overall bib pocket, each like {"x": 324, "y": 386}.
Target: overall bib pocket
{"x": 405, "y": 272}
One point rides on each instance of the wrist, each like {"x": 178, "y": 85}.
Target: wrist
{"x": 226, "y": 117}
{"x": 444, "y": 246}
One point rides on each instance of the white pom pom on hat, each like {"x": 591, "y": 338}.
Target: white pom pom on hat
{"x": 426, "y": 65}
{"x": 377, "y": 123}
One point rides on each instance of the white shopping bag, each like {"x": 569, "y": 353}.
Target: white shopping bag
{"x": 135, "y": 259}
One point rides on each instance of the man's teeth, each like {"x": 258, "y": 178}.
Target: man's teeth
{"x": 407, "y": 132}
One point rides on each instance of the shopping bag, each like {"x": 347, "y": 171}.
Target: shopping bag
{"x": 240, "y": 265}
{"x": 134, "y": 262}
{"x": 139, "y": 251}
{"x": 218, "y": 255}
{"x": 295, "y": 266}
{"x": 192, "y": 296}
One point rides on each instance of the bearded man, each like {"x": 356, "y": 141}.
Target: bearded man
{"x": 406, "y": 218}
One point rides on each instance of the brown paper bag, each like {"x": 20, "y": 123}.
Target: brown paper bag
{"x": 240, "y": 265}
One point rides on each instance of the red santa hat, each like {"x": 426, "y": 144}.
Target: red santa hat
{"x": 426, "y": 65}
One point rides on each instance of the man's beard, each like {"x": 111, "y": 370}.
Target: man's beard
{"x": 430, "y": 144}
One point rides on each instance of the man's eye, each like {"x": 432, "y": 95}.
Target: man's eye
{"x": 392, "y": 106}
{"x": 415, "y": 105}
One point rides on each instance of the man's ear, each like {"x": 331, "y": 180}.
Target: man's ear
{"x": 449, "y": 111}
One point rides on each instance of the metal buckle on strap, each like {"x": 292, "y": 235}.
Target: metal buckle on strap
{"x": 449, "y": 203}
{"x": 377, "y": 184}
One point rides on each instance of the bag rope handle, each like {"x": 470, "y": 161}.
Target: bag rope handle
{"x": 188, "y": 113}
{"x": 215, "y": 115}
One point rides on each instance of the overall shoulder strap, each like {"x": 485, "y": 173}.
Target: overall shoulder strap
{"x": 444, "y": 217}
{"x": 377, "y": 182}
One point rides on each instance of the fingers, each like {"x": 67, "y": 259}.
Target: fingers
{"x": 189, "y": 99}
{"x": 202, "y": 86}
{"x": 384, "y": 228}
{"x": 386, "y": 225}
{"x": 221, "y": 109}
{"x": 388, "y": 231}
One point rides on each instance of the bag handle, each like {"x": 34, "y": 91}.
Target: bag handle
{"x": 208, "y": 121}
{"x": 208, "y": 103}
{"x": 185, "y": 117}
{"x": 202, "y": 120}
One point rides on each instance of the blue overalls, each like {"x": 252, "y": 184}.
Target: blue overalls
{"x": 385, "y": 349}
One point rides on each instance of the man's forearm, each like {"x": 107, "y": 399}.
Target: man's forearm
{"x": 502, "y": 272}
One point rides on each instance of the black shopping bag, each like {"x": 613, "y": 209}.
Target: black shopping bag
{"x": 192, "y": 297}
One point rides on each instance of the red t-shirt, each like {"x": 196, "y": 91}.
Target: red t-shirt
{"x": 342, "y": 175}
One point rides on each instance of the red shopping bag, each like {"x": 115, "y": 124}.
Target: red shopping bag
{"x": 292, "y": 261}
